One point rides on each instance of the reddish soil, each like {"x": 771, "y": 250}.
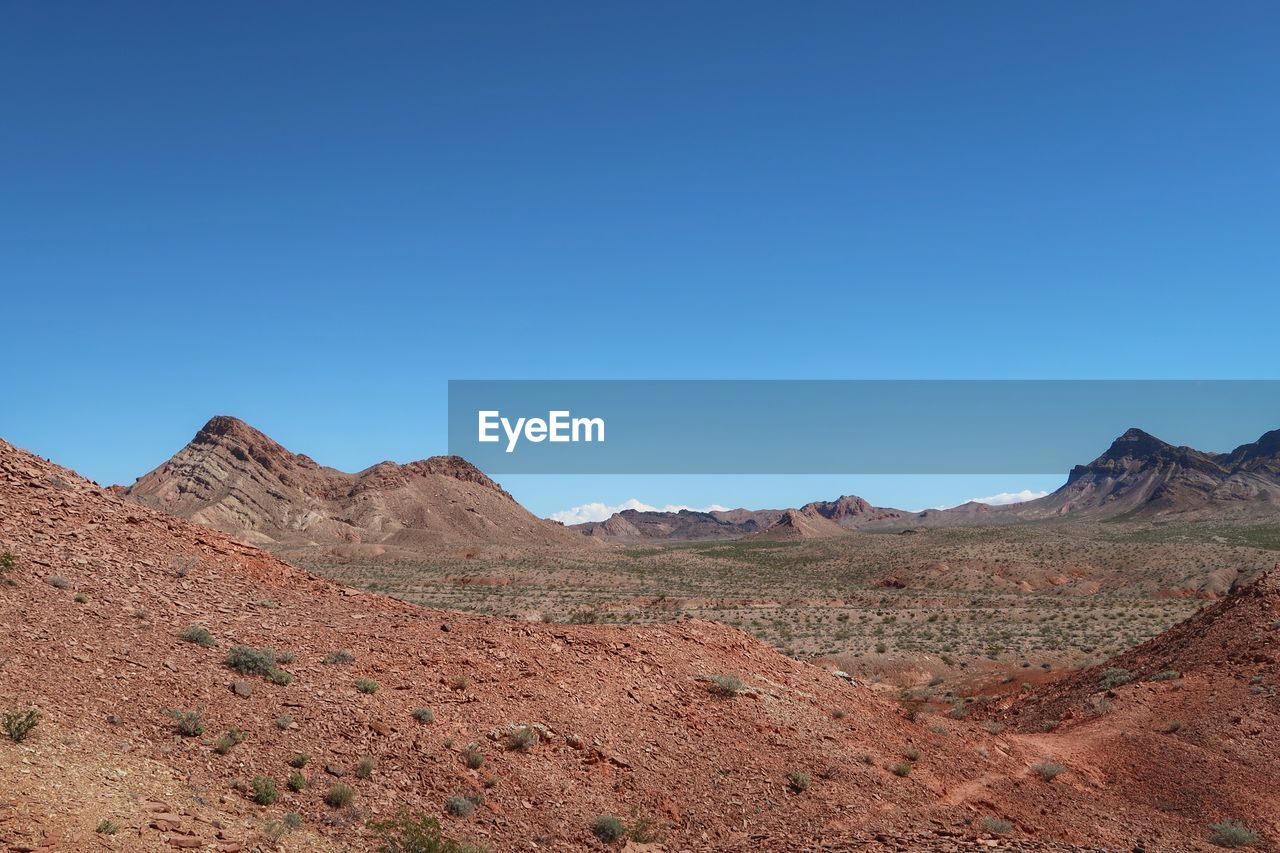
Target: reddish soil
{"x": 627, "y": 722}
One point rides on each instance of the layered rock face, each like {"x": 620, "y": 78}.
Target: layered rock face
{"x": 234, "y": 478}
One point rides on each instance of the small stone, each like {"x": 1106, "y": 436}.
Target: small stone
{"x": 242, "y": 688}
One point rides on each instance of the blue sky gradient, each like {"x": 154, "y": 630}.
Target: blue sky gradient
{"x": 312, "y": 215}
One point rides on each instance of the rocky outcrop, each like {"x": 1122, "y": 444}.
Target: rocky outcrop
{"x": 233, "y": 477}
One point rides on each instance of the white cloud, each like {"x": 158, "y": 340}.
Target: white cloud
{"x": 1002, "y": 499}
{"x": 598, "y": 511}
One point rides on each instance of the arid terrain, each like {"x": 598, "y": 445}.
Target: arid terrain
{"x": 947, "y": 689}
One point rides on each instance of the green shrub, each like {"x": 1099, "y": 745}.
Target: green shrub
{"x": 726, "y": 686}
{"x": 250, "y": 661}
{"x": 995, "y": 826}
{"x": 1232, "y": 833}
{"x": 472, "y": 757}
{"x": 107, "y": 827}
{"x": 296, "y": 781}
{"x": 1166, "y": 675}
{"x": 286, "y": 657}
{"x": 283, "y": 722}
{"x": 460, "y": 805}
{"x": 415, "y": 833}
{"x": 228, "y": 741}
{"x": 189, "y": 724}
{"x": 18, "y": 724}
{"x": 911, "y": 754}
{"x": 522, "y": 738}
{"x": 299, "y": 760}
{"x": 799, "y": 782}
{"x": 293, "y": 820}
{"x": 1048, "y": 770}
{"x": 80, "y": 598}
{"x": 199, "y": 635}
{"x": 339, "y": 796}
{"x": 8, "y": 563}
{"x": 902, "y": 768}
{"x": 608, "y": 828}
{"x": 459, "y": 682}
{"x": 1114, "y": 676}
{"x": 365, "y": 768}
{"x": 366, "y": 685}
{"x": 264, "y": 790}
{"x": 1049, "y": 725}
{"x": 423, "y": 715}
{"x": 280, "y": 677}
{"x": 340, "y": 656}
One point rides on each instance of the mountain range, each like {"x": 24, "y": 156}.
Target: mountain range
{"x": 234, "y": 478}
{"x": 1138, "y": 476}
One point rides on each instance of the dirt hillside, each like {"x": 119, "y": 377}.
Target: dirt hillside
{"x": 691, "y": 728}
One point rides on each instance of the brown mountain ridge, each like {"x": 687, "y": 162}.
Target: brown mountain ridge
{"x": 234, "y": 478}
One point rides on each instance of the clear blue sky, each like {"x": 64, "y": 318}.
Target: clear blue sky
{"x": 312, "y": 215}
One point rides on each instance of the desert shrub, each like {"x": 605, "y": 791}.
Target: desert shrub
{"x": 459, "y": 682}
{"x": 286, "y": 657}
{"x": 1114, "y": 676}
{"x": 522, "y": 738}
{"x": 198, "y": 634}
{"x": 189, "y": 724}
{"x": 1166, "y": 675}
{"x": 58, "y": 582}
{"x": 296, "y": 781}
{"x": 264, "y": 790}
{"x": 644, "y": 830}
{"x": 993, "y": 727}
{"x": 251, "y": 661}
{"x": 726, "y": 686}
{"x": 995, "y": 826}
{"x": 339, "y": 796}
{"x": 366, "y": 685}
{"x": 80, "y": 598}
{"x": 902, "y": 768}
{"x": 1172, "y": 727}
{"x": 608, "y": 828}
{"x": 18, "y": 724}
{"x": 293, "y": 820}
{"x": 365, "y": 768}
{"x": 838, "y": 713}
{"x": 472, "y": 757}
{"x": 107, "y": 827}
{"x": 284, "y": 721}
{"x": 8, "y": 563}
{"x": 280, "y": 677}
{"x": 228, "y": 741}
{"x": 881, "y": 648}
{"x": 414, "y": 833}
{"x": 459, "y": 805}
{"x": 799, "y": 782}
{"x": 1048, "y": 770}
{"x": 1049, "y": 725}
{"x": 299, "y": 760}
{"x": 1232, "y": 833}
{"x": 340, "y": 656}
{"x": 423, "y": 715}
{"x": 911, "y": 754}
